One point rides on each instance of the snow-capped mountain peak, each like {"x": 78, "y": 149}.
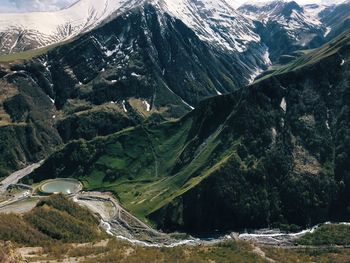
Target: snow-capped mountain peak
{"x": 288, "y": 14}
{"x": 214, "y": 21}
{"x": 286, "y": 26}
{"x": 38, "y": 29}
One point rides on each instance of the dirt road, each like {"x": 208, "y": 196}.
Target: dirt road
{"x": 16, "y": 176}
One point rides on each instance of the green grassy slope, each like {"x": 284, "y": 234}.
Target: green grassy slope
{"x": 147, "y": 174}
{"x": 327, "y": 235}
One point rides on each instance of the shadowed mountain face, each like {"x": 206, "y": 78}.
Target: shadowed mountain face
{"x": 273, "y": 153}
{"x": 145, "y": 54}
{"x": 337, "y": 18}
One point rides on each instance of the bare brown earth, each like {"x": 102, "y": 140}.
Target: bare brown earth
{"x": 8, "y": 253}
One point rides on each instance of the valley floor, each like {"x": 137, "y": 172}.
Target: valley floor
{"x": 131, "y": 240}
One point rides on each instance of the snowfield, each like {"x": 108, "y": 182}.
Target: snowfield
{"x": 214, "y": 21}
{"x": 39, "y": 29}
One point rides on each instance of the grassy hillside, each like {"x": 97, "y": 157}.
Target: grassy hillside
{"x": 26, "y": 55}
{"x": 327, "y": 235}
{"x": 54, "y": 219}
{"x": 118, "y": 251}
{"x": 223, "y": 253}
{"x": 138, "y": 173}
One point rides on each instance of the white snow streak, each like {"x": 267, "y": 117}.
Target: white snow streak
{"x": 218, "y": 92}
{"x": 148, "y": 106}
{"x": 124, "y": 107}
{"x": 283, "y": 104}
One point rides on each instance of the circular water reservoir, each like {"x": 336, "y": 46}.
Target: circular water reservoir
{"x": 63, "y": 186}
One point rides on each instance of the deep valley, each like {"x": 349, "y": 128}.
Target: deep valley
{"x": 192, "y": 131}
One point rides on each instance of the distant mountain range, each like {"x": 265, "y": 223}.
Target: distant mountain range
{"x": 214, "y": 21}
{"x": 286, "y": 27}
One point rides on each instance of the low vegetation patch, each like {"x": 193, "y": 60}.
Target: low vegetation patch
{"x": 54, "y": 219}
{"x": 327, "y": 235}
{"x": 319, "y": 255}
{"x": 119, "y": 251}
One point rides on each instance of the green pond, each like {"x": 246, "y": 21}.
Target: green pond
{"x": 64, "y": 186}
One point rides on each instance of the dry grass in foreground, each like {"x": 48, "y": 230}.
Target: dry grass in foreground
{"x": 118, "y": 251}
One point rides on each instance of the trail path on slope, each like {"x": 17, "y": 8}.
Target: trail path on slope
{"x": 259, "y": 252}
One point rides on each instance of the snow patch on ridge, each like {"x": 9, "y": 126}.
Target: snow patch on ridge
{"x": 218, "y": 92}
{"x": 148, "y": 106}
{"x": 52, "y": 100}
{"x": 124, "y": 107}
{"x": 266, "y": 61}
{"x": 283, "y": 104}
{"x": 328, "y": 30}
